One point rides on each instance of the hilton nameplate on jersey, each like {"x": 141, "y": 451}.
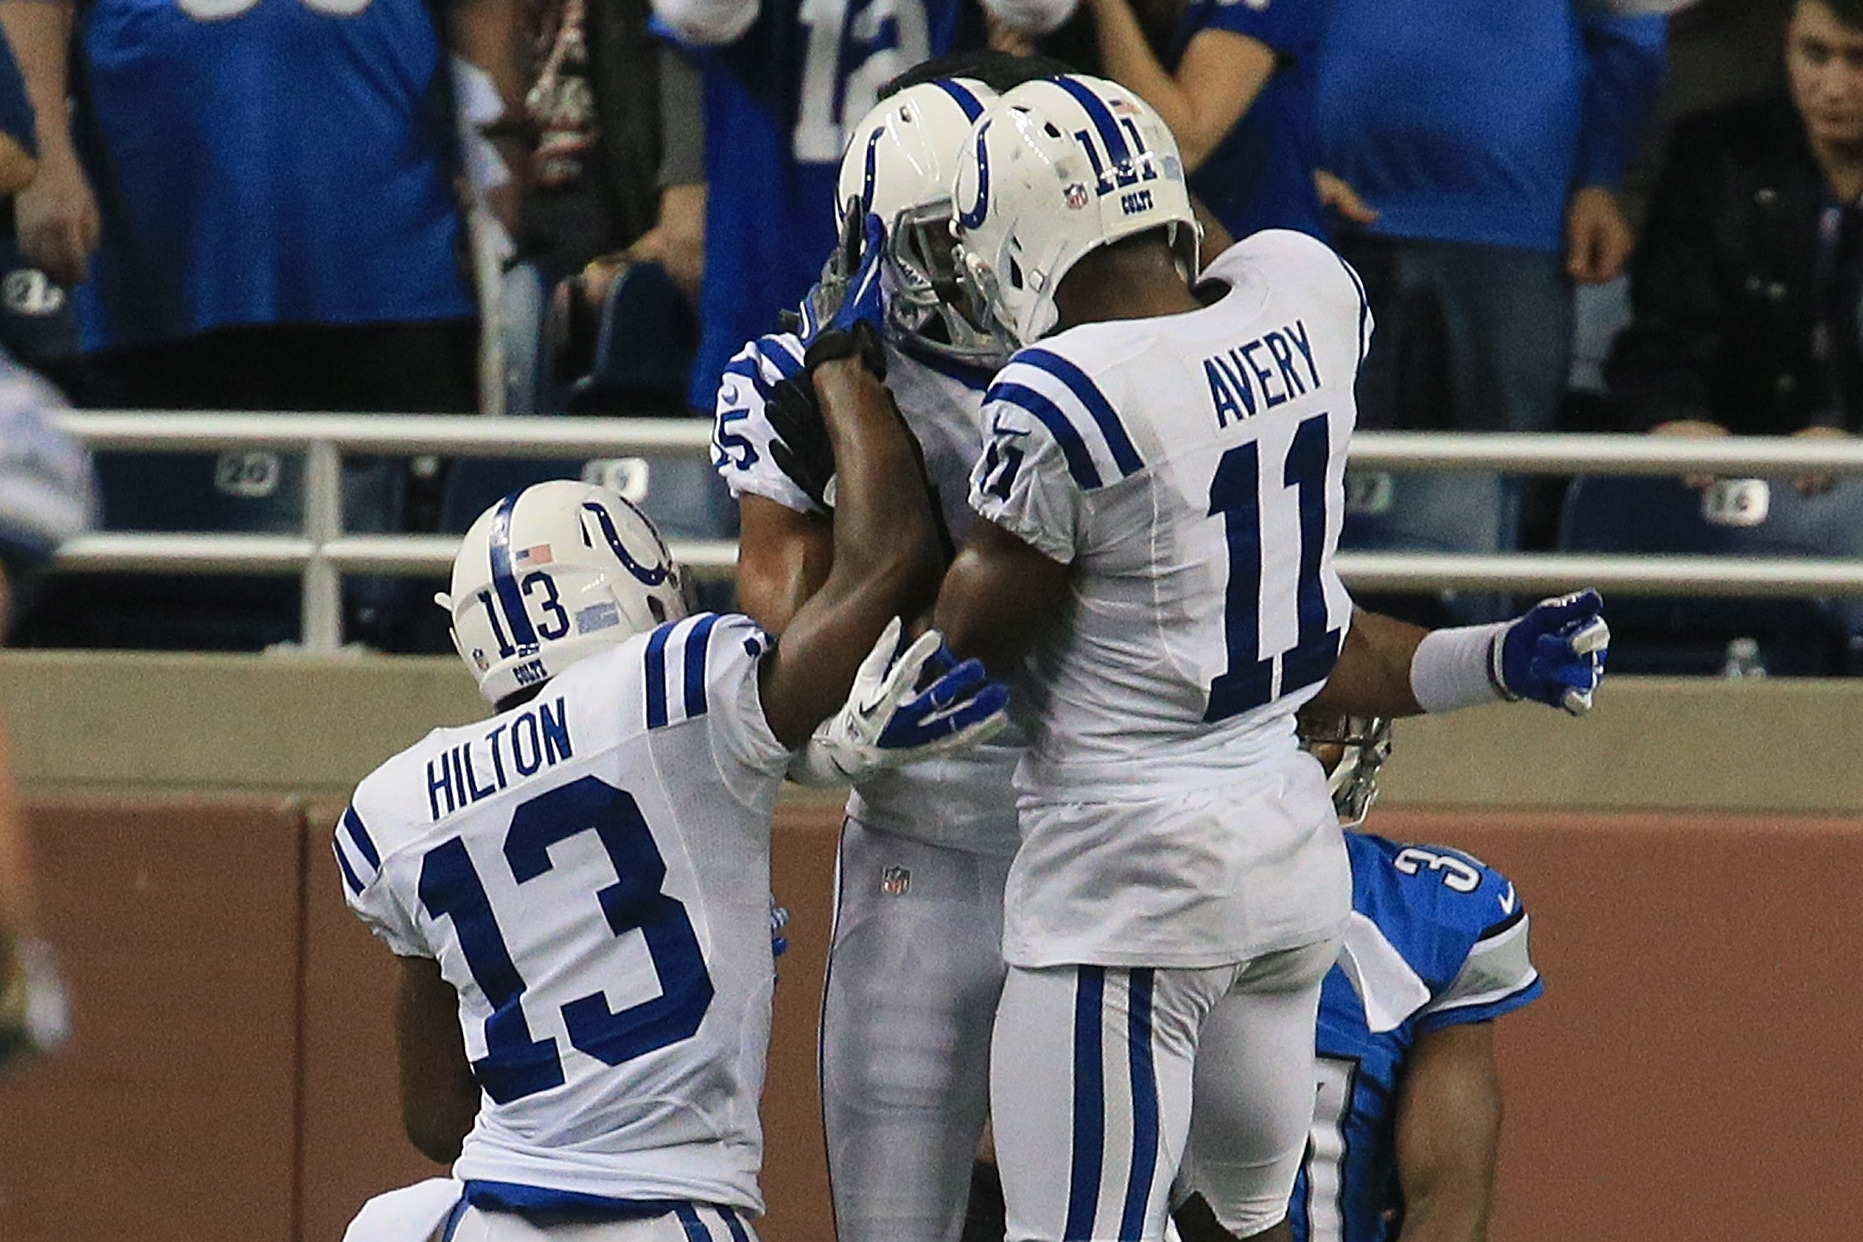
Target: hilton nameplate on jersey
{"x": 530, "y": 741}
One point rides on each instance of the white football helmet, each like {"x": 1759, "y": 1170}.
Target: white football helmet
{"x": 1053, "y": 170}
{"x": 554, "y": 573}
{"x": 899, "y": 163}
{"x": 1351, "y": 749}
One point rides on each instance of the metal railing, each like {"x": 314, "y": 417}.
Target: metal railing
{"x": 322, "y": 553}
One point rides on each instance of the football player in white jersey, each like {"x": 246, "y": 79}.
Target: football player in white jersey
{"x": 915, "y": 965}
{"x": 1160, "y": 497}
{"x": 578, "y": 888}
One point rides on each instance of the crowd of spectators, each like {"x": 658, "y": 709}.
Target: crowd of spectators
{"x": 264, "y": 204}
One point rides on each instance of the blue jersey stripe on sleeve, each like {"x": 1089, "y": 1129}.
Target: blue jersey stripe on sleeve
{"x": 781, "y": 355}
{"x": 349, "y": 873}
{"x": 698, "y": 639}
{"x": 352, "y": 824}
{"x": 1089, "y": 1103}
{"x": 656, "y": 677}
{"x": 1073, "y": 448}
{"x": 735, "y": 1225}
{"x": 1089, "y": 395}
{"x": 1144, "y": 1103}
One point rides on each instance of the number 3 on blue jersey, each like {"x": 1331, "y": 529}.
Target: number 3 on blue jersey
{"x": 1235, "y": 496}
{"x": 516, "y": 1065}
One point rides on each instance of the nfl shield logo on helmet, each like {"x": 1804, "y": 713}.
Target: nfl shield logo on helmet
{"x": 1076, "y": 196}
{"x": 894, "y": 881}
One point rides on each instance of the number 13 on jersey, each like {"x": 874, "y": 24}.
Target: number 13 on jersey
{"x": 1248, "y": 680}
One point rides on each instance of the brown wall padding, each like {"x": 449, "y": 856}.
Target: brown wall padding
{"x": 1688, "y": 1075}
{"x": 170, "y": 1115}
{"x": 1691, "y": 1071}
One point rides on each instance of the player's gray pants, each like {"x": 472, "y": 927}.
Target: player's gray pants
{"x": 913, "y": 980}
{"x": 1095, "y": 1072}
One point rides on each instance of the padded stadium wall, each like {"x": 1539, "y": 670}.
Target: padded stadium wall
{"x": 1691, "y": 856}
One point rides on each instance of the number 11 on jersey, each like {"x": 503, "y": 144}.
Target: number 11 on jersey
{"x": 1248, "y": 681}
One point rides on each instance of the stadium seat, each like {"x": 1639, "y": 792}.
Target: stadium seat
{"x": 1662, "y": 634}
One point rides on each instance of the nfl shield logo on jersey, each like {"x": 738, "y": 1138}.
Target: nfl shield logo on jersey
{"x": 894, "y": 881}
{"x": 1076, "y": 196}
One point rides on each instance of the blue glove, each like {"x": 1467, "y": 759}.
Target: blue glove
{"x": 1554, "y": 653}
{"x": 853, "y": 324}
{"x": 887, "y": 721}
{"x": 963, "y": 707}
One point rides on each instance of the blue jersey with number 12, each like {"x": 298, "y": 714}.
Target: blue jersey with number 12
{"x": 591, "y": 871}
{"x": 777, "y": 106}
{"x": 1436, "y": 938}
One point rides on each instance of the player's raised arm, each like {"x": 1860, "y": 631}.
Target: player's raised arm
{"x": 1448, "y": 1131}
{"x": 886, "y": 555}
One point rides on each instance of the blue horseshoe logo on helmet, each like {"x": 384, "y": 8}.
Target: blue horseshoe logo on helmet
{"x": 646, "y": 577}
{"x": 972, "y": 216}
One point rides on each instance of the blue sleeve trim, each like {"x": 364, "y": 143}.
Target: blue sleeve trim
{"x": 349, "y": 873}
{"x": 698, "y": 640}
{"x": 777, "y": 350}
{"x": 1104, "y": 416}
{"x": 1073, "y": 448}
{"x": 734, "y": 1224}
{"x": 656, "y": 677}
{"x": 352, "y": 824}
{"x": 1482, "y": 1013}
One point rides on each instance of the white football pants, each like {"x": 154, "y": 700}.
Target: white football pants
{"x": 913, "y": 979}
{"x": 1107, "y": 1082}
{"x": 697, "y": 1222}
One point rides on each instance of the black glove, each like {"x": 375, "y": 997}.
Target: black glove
{"x": 801, "y": 449}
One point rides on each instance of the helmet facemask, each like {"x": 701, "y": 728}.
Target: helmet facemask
{"x": 929, "y": 304}
{"x": 1351, "y": 749}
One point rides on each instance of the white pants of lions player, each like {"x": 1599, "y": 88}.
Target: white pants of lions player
{"x": 913, "y": 980}
{"x": 1096, "y": 1070}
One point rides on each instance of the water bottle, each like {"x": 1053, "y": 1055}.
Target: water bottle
{"x": 1743, "y": 659}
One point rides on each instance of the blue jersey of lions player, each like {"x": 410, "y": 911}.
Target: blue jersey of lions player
{"x": 1436, "y": 938}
